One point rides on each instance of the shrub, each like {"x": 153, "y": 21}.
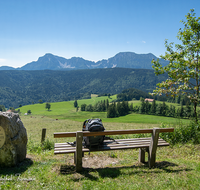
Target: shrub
{"x": 183, "y": 134}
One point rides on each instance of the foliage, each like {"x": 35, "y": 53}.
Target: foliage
{"x": 162, "y": 109}
{"x": 29, "y": 112}
{"x": 24, "y": 87}
{"x": 121, "y": 109}
{"x": 100, "y": 106}
{"x": 40, "y": 101}
{"x": 36, "y": 147}
{"x": 2, "y": 108}
{"x": 47, "y": 144}
{"x": 48, "y": 106}
{"x": 132, "y": 93}
{"x": 112, "y": 111}
{"x": 75, "y": 103}
{"x": 89, "y": 108}
{"x": 183, "y": 70}
{"x": 83, "y": 106}
{"x": 183, "y": 134}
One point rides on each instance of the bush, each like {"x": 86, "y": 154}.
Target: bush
{"x": 183, "y": 134}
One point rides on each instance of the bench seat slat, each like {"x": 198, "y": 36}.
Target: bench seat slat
{"x": 119, "y": 141}
{"x": 105, "y": 148}
{"x": 64, "y": 148}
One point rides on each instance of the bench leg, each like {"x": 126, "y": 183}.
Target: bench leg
{"x": 153, "y": 147}
{"x": 142, "y": 155}
{"x": 78, "y": 156}
{"x": 75, "y": 157}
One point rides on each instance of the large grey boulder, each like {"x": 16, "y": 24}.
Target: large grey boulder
{"x": 13, "y": 139}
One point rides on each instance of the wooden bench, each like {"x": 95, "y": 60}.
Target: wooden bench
{"x": 144, "y": 144}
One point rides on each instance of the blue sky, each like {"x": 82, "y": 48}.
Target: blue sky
{"x": 91, "y": 29}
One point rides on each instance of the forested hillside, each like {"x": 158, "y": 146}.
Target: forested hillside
{"x": 27, "y": 87}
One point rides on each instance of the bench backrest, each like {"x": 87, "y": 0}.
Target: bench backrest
{"x": 115, "y": 132}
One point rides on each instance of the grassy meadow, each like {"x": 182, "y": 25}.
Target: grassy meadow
{"x": 177, "y": 167}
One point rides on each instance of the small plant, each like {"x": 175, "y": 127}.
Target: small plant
{"x": 37, "y": 147}
{"x": 47, "y": 145}
{"x": 113, "y": 155}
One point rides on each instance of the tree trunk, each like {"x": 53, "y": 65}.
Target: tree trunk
{"x": 195, "y": 112}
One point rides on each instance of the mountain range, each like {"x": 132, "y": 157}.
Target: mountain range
{"x": 120, "y": 60}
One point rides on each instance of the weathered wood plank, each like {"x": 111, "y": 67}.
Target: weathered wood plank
{"x": 64, "y": 134}
{"x": 64, "y": 151}
{"x": 115, "y": 143}
{"x": 64, "y": 148}
{"x": 116, "y": 132}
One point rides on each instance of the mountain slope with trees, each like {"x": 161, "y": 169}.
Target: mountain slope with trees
{"x": 27, "y": 87}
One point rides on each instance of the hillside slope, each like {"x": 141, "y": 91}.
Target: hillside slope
{"x": 25, "y": 87}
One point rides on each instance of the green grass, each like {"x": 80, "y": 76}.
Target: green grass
{"x": 177, "y": 167}
{"x": 66, "y": 110}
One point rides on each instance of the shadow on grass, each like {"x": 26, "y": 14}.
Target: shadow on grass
{"x": 18, "y": 169}
{"x": 114, "y": 172}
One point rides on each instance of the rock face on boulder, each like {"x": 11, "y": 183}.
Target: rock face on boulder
{"x": 13, "y": 139}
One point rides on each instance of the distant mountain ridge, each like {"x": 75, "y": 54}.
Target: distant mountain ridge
{"x": 120, "y": 60}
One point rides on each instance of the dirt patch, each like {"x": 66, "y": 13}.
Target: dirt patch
{"x": 88, "y": 162}
{"x": 96, "y": 161}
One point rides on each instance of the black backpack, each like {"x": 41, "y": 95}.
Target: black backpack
{"x": 93, "y": 125}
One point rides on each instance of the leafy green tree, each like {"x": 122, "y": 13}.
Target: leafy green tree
{"x": 48, "y": 106}
{"x": 184, "y": 63}
{"x": 89, "y": 108}
{"x": 120, "y": 108}
{"x": 2, "y": 108}
{"x": 147, "y": 107}
{"x": 112, "y": 111}
{"x": 188, "y": 110}
{"x": 181, "y": 112}
{"x": 83, "y": 106}
{"x": 40, "y": 101}
{"x": 142, "y": 106}
{"x": 172, "y": 111}
{"x": 75, "y": 103}
{"x": 12, "y": 109}
{"x": 153, "y": 107}
{"x": 131, "y": 107}
{"x": 104, "y": 105}
{"x": 164, "y": 109}
{"x": 29, "y": 112}
{"x": 107, "y": 104}
{"x": 159, "y": 109}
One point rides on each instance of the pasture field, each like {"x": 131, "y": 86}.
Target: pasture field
{"x": 177, "y": 167}
{"x": 66, "y": 110}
